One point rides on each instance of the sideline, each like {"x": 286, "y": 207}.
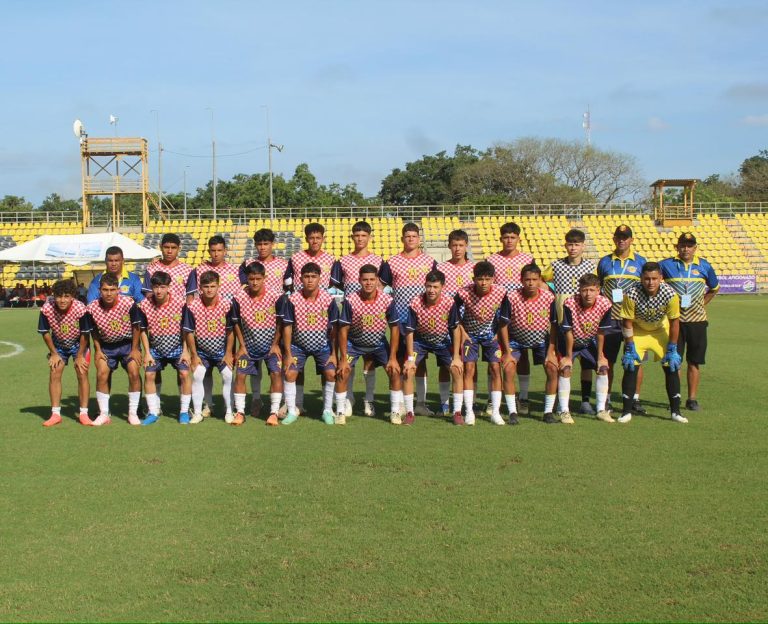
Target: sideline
{"x": 17, "y": 349}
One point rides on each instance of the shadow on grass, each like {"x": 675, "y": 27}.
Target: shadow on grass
{"x": 70, "y": 408}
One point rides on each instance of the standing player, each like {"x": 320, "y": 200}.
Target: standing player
{"x": 345, "y": 275}
{"x": 405, "y": 273}
{"x": 207, "y": 325}
{"x": 129, "y": 284}
{"x": 695, "y": 282}
{"x": 651, "y": 314}
{"x": 64, "y": 325}
{"x": 116, "y": 341}
{"x": 275, "y": 269}
{"x": 309, "y": 329}
{"x": 161, "y": 337}
{"x": 618, "y": 271}
{"x": 259, "y": 341}
{"x": 430, "y": 327}
{"x": 362, "y": 329}
{"x": 525, "y": 324}
{"x": 586, "y": 319}
{"x": 480, "y": 303}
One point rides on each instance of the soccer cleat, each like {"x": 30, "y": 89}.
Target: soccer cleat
{"x": 197, "y": 418}
{"x": 692, "y": 405}
{"x": 523, "y": 407}
{"x": 328, "y": 417}
{"x": 340, "y": 419}
{"x": 133, "y": 419}
{"x": 624, "y": 418}
{"x": 206, "y": 411}
{"x": 290, "y": 418}
{"x": 679, "y": 419}
{"x": 238, "y": 419}
{"x": 550, "y": 419}
{"x": 272, "y": 421}
{"x": 445, "y": 408}
{"x": 605, "y": 416}
{"x": 457, "y": 418}
{"x": 102, "y": 419}
{"x": 638, "y": 407}
{"x": 396, "y": 418}
{"x": 496, "y": 419}
{"x": 55, "y": 419}
{"x": 586, "y": 408}
{"x": 566, "y": 418}
{"x": 368, "y": 409}
{"x": 229, "y": 418}
{"x": 421, "y": 410}
{"x": 84, "y": 420}
{"x": 513, "y": 419}
{"x": 283, "y": 411}
{"x": 488, "y": 409}
{"x": 469, "y": 419}
{"x": 347, "y": 408}
{"x": 151, "y": 419}
{"x": 184, "y": 418}
{"x": 409, "y": 419}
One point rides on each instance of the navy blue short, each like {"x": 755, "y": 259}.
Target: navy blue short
{"x": 300, "y": 358}
{"x": 250, "y": 365}
{"x": 161, "y": 362}
{"x": 612, "y": 346}
{"x": 209, "y": 363}
{"x": 118, "y": 353}
{"x": 587, "y": 354}
{"x": 539, "y": 351}
{"x": 65, "y": 354}
{"x": 470, "y": 351}
{"x": 443, "y": 354}
{"x": 379, "y": 355}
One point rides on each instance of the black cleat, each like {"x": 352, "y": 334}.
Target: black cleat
{"x": 513, "y": 419}
{"x": 692, "y": 405}
{"x": 550, "y": 419}
{"x": 638, "y": 408}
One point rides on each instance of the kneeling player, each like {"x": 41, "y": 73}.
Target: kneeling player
{"x": 651, "y": 317}
{"x": 65, "y": 327}
{"x": 362, "y": 330}
{"x": 161, "y": 337}
{"x": 258, "y": 340}
{"x": 207, "y": 324}
{"x": 432, "y": 326}
{"x": 524, "y": 326}
{"x": 586, "y": 318}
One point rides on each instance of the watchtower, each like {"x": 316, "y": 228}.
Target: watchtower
{"x": 669, "y": 215}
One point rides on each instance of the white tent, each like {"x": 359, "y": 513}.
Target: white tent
{"x": 75, "y": 249}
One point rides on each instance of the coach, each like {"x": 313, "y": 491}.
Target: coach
{"x": 695, "y": 282}
{"x": 129, "y": 283}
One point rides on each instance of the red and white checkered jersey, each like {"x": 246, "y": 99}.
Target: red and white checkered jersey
{"x": 163, "y": 324}
{"x": 406, "y": 277}
{"x": 457, "y": 276}
{"x": 258, "y": 320}
{"x": 528, "y": 319}
{"x": 210, "y": 324}
{"x": 346, "y": 272}
{"x": 324, "y": 260}
{"x": 311, "y": 319}
{"x": 274, "y": 272}
{"x": 480, "y": 316}
{"x": 229, "y": 278}
{"x": 585, "y": 322}
{"x": 432, "y": 325}
{"x": 368, "y": 320}
{"x": 65, "y": 327}
{"x": 508, "y": 269}
{"x": 114, "y": 324}
{"x": 181, "y": 285}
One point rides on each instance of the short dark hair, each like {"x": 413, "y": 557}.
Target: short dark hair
{"x": 114, "y": 250}
{"x": 264, "y": 235}
{"x": 160, "y": 278}
{"x": 64, "y": 287}
{"x": 255, "y": 268}
{"x": 410, "y": 227}
{"x": 649, "y": 267}
{"x": 107, "y": 279}
{"x": 208, "y": 277}
{"x": 574, "y": 236}
{"x": 458, "y": 235}
{"x": 532, "y": 267}
{"x": 510, "y": 228}
{"x": 361, "y": 226}
{"x": 311, "y": 267}
{"x": 217, "y": 239}
{"x": 435, "y": 276}
{"x": 170, "y": 238}
{"x": 484, "y": 269}
{"x": 366, "y": 269}
{"x": 589, "y": 279}
{"x": 312, "y": 228}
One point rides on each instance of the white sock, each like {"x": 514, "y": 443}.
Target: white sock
{"x": 184, "y": 403}
{"x": 421, "y": 390}
{"x": 133, "y": 402}
{"x": 370, "y": 384}
{"x": 208, "y": 386}
{"x": 445, "y": 391}
{"x": 226, "y": 382}
{"x": 198, "y": 388}
{"x": 511, "y": 403}
{"x": 496, "y": 401}
{"x": 564, "y": 393}
{"x": 341, "y": 402}
{"x": 300, "y": 396}
{"x": 289, "y": 390}
{"x": 636, "y": 396}
{"x": 601, "y": 391}
{"x": 469, "y": 398}
{"x": 395, "y": 400}
{"x": 549, "y": 403}
{"x": 274, "y": 401}
{"x": 153, "y": 403}
{"x": 102, "y": 399}
{"x": 84, "y": 410}
{"x": 458, "y": 401}
{"x": 524, "y": 381}
{"x": 408, "y": 401}
{"x": 328, "y": 389}
{"x": 351, "y": 386}
{"x": 56, "y": 410}
{"x": 240, "y": 402}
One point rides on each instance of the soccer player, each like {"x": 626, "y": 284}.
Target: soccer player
{"x": 651, "y": 316}
{"x": 458, "y": 274}
{"x": 64, "y": 326}
{"x": 581, "y": 334}
{"x": 309, "y": 329}
{"x": 431, "y": 326}
{"x": 618, "y": 271}
{"x": 405, "y": 273}
{"x": 275, "y": 269}
{"x": 207, "y": 324}
{"x": 525, "y": 319}
{"x": 116, "y": 341}
{"x": 345, "y": 275}
{"x": 161, "y": 338}
{"x": 565, "y": 274}
{"x": 480, "y": 304}
{"x": 362, "y": 329}
{"x": 259, "y": 341}
{"x": 129, "y": 284}
{"x": 696, "y": 283}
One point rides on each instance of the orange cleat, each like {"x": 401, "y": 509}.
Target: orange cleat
{"x": 238, "y": 419}
{"x": 272, "y": 421}
{"x": 85, "y": 421}
{"x": 55, "y": 419}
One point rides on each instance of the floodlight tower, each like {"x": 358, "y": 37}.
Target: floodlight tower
{"x": 587, "y": 125}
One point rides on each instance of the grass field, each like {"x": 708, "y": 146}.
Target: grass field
{"x": 646, "y": 521}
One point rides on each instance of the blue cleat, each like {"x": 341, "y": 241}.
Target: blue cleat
{"x": 151, "y": 419}
{"x": 183, "y": 418}
{"x": 290, "y": 418}
{"x": 328, "y": 418}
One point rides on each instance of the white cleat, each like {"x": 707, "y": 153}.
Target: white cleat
{"x": 340, "y": 419}
{"x": 229, "y": 418}
{"x": 396, "y": 418}
{"x": 489, "y": 409}
{"x": 368, "y": 409}
{"x": 133, "y": 419}
{"x": 422, "y": 410}
{"x": 206, "y": 411}
{"x": 496, "y": 419}
{"x": 101, "y": 419}
{"x": 469, "y": 418}
{"x": 680, "y": 419}
{"x": 624, "y": 418}
{"x": 348, "y": 408}
{"x": 196, "y": 417}
{"x": 566, "y": 418}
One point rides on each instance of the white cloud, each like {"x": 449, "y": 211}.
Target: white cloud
{"x": 657, "y": 124}
{"x": 755, "y": 120}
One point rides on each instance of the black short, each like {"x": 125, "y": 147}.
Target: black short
{"x": 693, "y": 336}
{"x": 612, "y": 346}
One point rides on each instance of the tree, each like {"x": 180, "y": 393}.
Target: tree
{"x": 14, "y": 203}
{"x": 754, "y": 177}
{"x": 54, "y": 203}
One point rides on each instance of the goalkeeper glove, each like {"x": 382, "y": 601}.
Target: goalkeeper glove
{"x": 672, "y": 358}
{"x": 630, "y": 357}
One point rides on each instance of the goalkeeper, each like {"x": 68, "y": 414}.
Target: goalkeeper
{"x": 651, "y": 323}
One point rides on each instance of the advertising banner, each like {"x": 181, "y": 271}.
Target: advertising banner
{"x": 741, "y": 284}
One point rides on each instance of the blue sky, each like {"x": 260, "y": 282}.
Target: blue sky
{"x": 358, "y": 88}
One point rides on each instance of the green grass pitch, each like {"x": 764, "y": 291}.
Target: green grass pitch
{"x": 646, "y": 521}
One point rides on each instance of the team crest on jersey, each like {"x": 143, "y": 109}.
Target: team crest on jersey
{"x": 631, "y": 269}
{"x": 124, "y": 289}
{"x": 126, "y": 318}
{"x": 543, "y": 313}
{"x": 176, "y": 317}
{"x": 179, "y": 279}
{"x": 695, "y": 272}
{"x": 229, "y": 278}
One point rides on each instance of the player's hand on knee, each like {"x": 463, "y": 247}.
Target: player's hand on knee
{"x": 392, "y": 367}
{"x": 457, "y": 365}
{"x": 630, "y": 359}
{"x": 228, "y": 359}
{"x": 54, "y": 361}
{"x": 149, "y": 360}
{"x": 672, "y": 358}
